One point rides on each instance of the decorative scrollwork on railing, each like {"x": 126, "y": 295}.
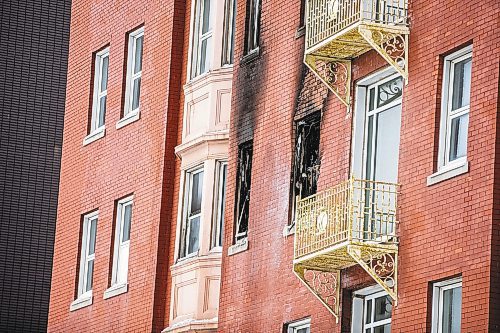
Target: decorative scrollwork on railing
{"x": 325, "y": 285}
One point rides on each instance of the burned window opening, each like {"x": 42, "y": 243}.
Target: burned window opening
{"x": 307, "y": 159}
{"x": 243, "y": 191}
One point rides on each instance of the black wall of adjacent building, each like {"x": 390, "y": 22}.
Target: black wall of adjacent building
{"x": 34, "y": 38}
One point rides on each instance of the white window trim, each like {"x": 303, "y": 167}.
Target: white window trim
{"x": 448, "y": 169}
{"x": 437, "y": 300}
{"x": 219, "y": 191}
{"x": 369, "y": 293}
{"x": 97, "y": 94}
{"x": 84, "y": 297}
{"x": 185, "y": 227}
{"x": 228, "y": 33}
{"x": 130, "y": 115}
{"x": 118, "y": 245}
{"x": 197, "y": 39}
{"x": 293, "y": 327}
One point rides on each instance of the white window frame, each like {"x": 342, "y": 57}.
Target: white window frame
{"x": 129, "y": 114}
{"x": 228, "y": 32}
{"x": 198, "y": 38}
{"x": 254, "y": 34}
{"x": 446, "y": 168}
{"x": 364, "y": 295}
{"x": 219, "y": 211}
{"x": 294, "y": 327}
{"x": 186, "y": 221}
{"x": 437, "y": 301}
{"x": 96, "y": 131}
{"x": 120, "y": 286}
{"x": 84, "y": 296}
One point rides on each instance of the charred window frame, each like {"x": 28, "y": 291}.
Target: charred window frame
{"x": 243, "y": 183}
{"x": 307, "y": 159}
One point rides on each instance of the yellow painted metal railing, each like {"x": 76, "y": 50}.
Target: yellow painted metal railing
{"x": 325, "y": 18}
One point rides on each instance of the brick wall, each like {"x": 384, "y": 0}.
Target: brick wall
{"x": 127, "y": 160}
{"x": 446, "y": 229}
{"x": 34, "y": 35}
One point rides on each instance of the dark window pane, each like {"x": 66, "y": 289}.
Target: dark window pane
{"x": 383, "y": 329}
{"x": 452, "y": 304}
{"x": 194, "y": 235}
{"x": 461, "y": 84}
{"x": 204, "y": 53}
{"x": 222, "y": 205}
{"x": 383, "y": 308}
{"x": 207, "y": 24}
{"x": 93, "y": 226}
{"x": 138, "y": 54}
{"x": 244, "y": 178}
{"x": 102, "y": 110}
{"x": 127, "y": 219}
{"x": 136, "y": 93}
{"x": 90, "y": 275}
{"x": 196, "y": 193}
{"x": 368, "y": 318}
{"x": 458, "y": 136}
{"x": 104, "y": 74}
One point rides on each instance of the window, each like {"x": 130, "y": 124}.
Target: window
{"x": 243, "y": 191}
{"x": 303, "y": 326}
{"x": 134, "y": 73}
{"x": 447, "y": 306}
{"x": 218, "y": 228}
{"x": 192, "y": 213}
{"x": 371, "y": 311}
{"x": 228, "y": 34}
{"x": 101, "y": 64}
{"x": 455, "y": 107}
{"x": 122, "y": 241}
{"x": 202, "y": 38}
{"x": 252, "y": 32}
{"x": 87, "y": 258}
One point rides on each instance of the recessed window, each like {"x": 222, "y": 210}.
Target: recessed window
{"x": 192, "y": 213}
{"x": 122, "y": 241}
{"x": 456, "y": 105}
{"x": 302, "y": 326}
{"x": 202, "y": 37}
{"x": 100, "y": 90}
{"x": 228, "y": 34}
{"x": 447, "y": 306}
{"x": 371, "y": 311}
{"x": 252, "y": 33}
{"x": 134, "y": 72}
{"x": 220, "y": 203}
{"x": 243, "y": 183}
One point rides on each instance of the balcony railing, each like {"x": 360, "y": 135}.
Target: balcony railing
{"x": 353, "y": 212}
{"x": 326, "y": 18}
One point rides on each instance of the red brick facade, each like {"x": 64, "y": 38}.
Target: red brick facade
{"x": 446, "y": 229}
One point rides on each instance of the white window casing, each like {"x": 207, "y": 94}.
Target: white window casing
{"x": 87, "y": 259}
{"x": 228, "y": 33}
{"x": 220, "y": 203}
{"x": 454, "y": 120}
{"x": 371, "y": 311}
{"x": 192, "y": 212}
{"x": 202, "y": 37}
{"x": 99, "y": 96}
{"x": 119, "y": 274}
{"x": 133, "y": 78}
{"x": 302, "y": 326}
{"x": 446, "y": 306}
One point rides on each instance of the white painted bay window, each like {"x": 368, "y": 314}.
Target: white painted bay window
{"x": 447, "y": 306}
{"x": 87, "y": 258}
{"x": 133, "y": 78}
{"x": 202, "y": 38}
{"x": 190, "y": 237}
{"x": 220, "y": 203}
{"x": 119, "y": 277}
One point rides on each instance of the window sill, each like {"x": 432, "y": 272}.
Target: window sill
{"x": 301, "y": 31}
{"x": 95, "y": 135}
{"x": 239, "y": 247}
{"x": 450, "y": 171}
{"x": 289, "y": 230}
{"x": 115, "y": 290}
{"x": 81, "y": 302}
{"x": 251, "y": 56}
{"x": 129, "y": 118}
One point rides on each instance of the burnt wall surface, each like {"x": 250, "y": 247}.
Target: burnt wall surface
{"x": 34, "y": 37}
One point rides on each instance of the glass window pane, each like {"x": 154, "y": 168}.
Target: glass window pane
{"x": 452, "y": 303}
{"x": 461, "y": 84}
{"x": 90, "y": 274}
{"x": 387, "y": 144}
{"x": 383, "y": 308}
{"x": 93, "y": 226}
{"x": 368, "y": 318}
{"x": 194, "y": 233}
{"x": 196, "y": 193}
{"x": 136, "y": 93}
{"x": 104, "y": 73}
{"x": 222, "y": 204}
{"x": 102, "y": 111}
{"x": 383, "y": 329}
{"x": 127, "y": 219}
{"x": 205, "y": 51}
{"x": 207, "y": 24}
{"x": 458, "y": 136}
{"x": 138, "y": 54}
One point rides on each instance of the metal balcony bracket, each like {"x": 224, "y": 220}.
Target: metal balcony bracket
{"x": 392, "y": 45}
{"x": 324, "y": 285}
{"x": 380, "y": 263}
{"x": 335, "y": 73}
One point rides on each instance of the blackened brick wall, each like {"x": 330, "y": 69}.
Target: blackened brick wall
{"x": 34, "y": 37}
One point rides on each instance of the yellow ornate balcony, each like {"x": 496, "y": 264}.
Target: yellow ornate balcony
{"x": 352, "y": 223}
{"x": 339, "y": 30}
